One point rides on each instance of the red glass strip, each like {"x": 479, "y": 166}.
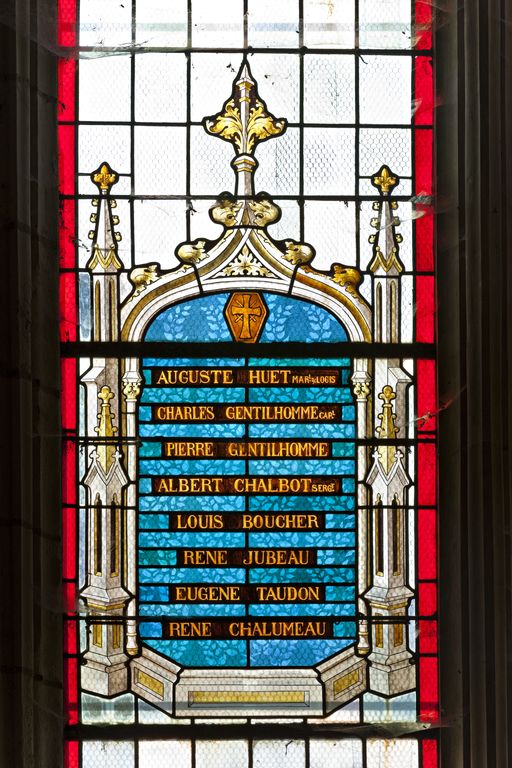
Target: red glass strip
{"x": 428, "y": 684}
{"x": 427, "y": 636}
{"x": 66, "y": 136}
{"x": 68, "y": 596}
{"x": 426, "y": 474}
{"x": 68, "y": 474}
{"x": 67, "y": 307}
{"x": 71, "y": 690}
{"x": 67, "y": 234}
{"x": 69, "y": 543}
{"x": 71, "y": 754}
{"x": 429, "y": 753}
{"x": 425, "y": 308}
{"x": 423, "y": 14}
{"x": 427, "y": 402}
{"x": 66, "y": 23}
{"x": 424, "y": 238}
{"x": 68, "y": 409}
{"x": 66, "y": 79}
{"x": 423, "y": 90}
{"x": 427, "y": 545}
{"x": 423, "y": 157}
{"x": 427, "y": 598}
{"x": 70, "y": 637}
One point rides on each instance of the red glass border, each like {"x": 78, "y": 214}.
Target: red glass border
{"x": 423, "y": 26}
{"x": 427, "y": 525}
{"x": 424, "y": 91}
{"x": 429, "y": 753}
{"x": 66, "y": 22}
{"x": 71, "y": 754}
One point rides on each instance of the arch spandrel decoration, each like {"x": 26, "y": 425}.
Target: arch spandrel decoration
{"x": 246, "y": 265}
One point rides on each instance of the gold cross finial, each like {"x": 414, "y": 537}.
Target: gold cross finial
{"x": 105, "y": 395}
{"x": 106, "y": 428}
{"x": 385, "y": 180}
{"x": 387, "y": 395}
{"x": 104, "y": 177}
{"x": 387, "y": 429}
{"x": 244, "y": 120}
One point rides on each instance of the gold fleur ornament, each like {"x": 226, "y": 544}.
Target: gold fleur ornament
{"x": 104, "y": 177}
{"x": 384, "y": 180}
{"x": 244, "y": 120}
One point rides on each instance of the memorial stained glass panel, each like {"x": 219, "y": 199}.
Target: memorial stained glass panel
{"x": 248, "y": 383}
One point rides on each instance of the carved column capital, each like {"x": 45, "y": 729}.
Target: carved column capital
{"x": 132, "y": 381}
{"x": 362, "y": 389}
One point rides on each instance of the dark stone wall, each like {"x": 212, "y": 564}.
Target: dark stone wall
{"x": 30, "y": 604}
{"x": 474, "y": 227}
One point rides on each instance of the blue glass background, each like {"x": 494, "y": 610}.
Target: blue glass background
{"x": 289, "y": 320}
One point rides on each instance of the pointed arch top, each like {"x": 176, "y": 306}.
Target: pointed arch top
{"x": 245, "y": 256}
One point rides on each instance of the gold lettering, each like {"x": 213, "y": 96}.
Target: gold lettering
{"x": 193, "y": 522}
{"x": 188, "y": 448}
{"x": 208, "y": 594}
{"x": 205, "y": 556}
{"x": 289, "y": 594}
{"x": 189, "y": 629}
{"x": 184, "y": 413}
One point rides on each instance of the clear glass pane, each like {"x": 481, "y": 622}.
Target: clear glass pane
{"x": 330, "y": 227}
{"x": 272, "y": 24}
{"x": 384, "y": 24}
{"x": 222, "y": 754}
{"x": 328, "y": 161}
{"x": 97, "y": 143}
{"x": 399, "y": 752}
{"x": 105, "y": 24}
{"x": 288, "y": 226}
{"x": 210, "y": 163}
{"x": 217, "y": 25}
{"x": 329, "y": 89}
{"x": 278, "y": 171}
{"x": 104, "y": 85}
{"x": 159, "y": 226}
{"x": 201, "y": 225}
{"x": 277, "y": 76}
{"x": 211, "y": 81}
{"x": 116, "y": 754}
{"x": 329, "y": 24}
{"x": 391, "y": 146}
{"x": 161, "y": 88}
{"x": 160, "y": 160}
{"x": 161, "y": 23}
{"x": 342, "y": 754}
{"x": 165, "y": 754}
{"x": 380, "y": 101}
{"x": 281, "y": 754}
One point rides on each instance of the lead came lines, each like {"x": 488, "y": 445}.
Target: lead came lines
{"x": 276, "y": 523}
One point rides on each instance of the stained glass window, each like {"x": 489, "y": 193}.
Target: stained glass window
{"x": 248, "y": 383}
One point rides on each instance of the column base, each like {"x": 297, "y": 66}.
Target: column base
{"x": 104, "y": 681}
{"x": 393, "y": 679}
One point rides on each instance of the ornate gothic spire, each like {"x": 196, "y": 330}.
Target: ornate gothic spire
{"x": 104, "y": 252}
{"x": 386, "y": 243}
